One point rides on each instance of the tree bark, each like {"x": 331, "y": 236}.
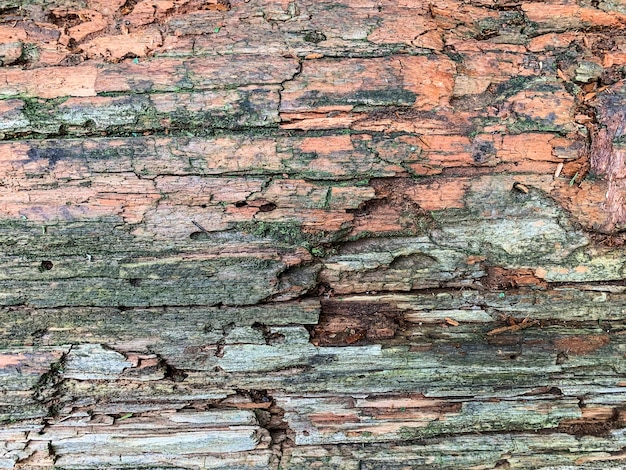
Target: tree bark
{"x": 311, "y": 234}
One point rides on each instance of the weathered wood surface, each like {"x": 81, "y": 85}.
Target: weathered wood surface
{"x": 311, "y": 234}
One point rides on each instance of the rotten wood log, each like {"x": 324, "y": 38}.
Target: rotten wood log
{"x": 311, "y": 234}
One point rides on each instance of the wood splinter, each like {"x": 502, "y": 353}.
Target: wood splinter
{"x": 513, "y": 326}
{"x": 521, "y": 188}
{"x": 559, "y": 168}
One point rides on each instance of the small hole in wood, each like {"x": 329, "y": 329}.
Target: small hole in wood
{"x": 561, "y": 358}
{"x": 46, "y": 265}
{"x": 269, "y": 207}
{"x": 135, "y": 282}
{"x": 241, "y": 204}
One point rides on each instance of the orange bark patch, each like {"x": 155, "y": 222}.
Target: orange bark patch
{"x": 416, "y": 401}
{"x": 601, "y": 458}
{"x": 554, "y": 16}
{"x": 326, "y": 145}
{"x": 225, "y": 154}
{"x": 586, "y": 202}
{"x": 115, "y": 48}
{"x": 493, "y": 66}
{"x": 432, "y": 80}
{"x": 317, "y": 121}
{"x": 551, "y": 41}
{"x": 413, "y": 408}
{"x": 37, "y": 362}
{"x": 312, "y": 220}
{"x": 404, "y": 28}
{"x": 11, "y": 360}
{"x": 536, "y": 147}
{"x": 106, "y": 7}
{"x": 500, "y": 278}
{"x": 78, "y": 23}
{"x": 325, "y": 419}
{"x": 614, "y": 58}
{"x": 146, "y": 12}
{"x": 350, "y": 197}
{"x": 446, "y": 151}
{"x": 327, "y": 85}
{"x": 378, "y": 219}
{"x": 582, "y": 344}
{"x": 595, "y": 17}
{"x": 554, "y": 108}
{"x": 195, "y": 190}
{"x": 439, "y": 195}
{"x": 50, "y": 82}
{"x": 393, "y": 208}
{"x": 10, "y": 35}
{"x": 165, "y": 74}
{"x": 410, "y": 26}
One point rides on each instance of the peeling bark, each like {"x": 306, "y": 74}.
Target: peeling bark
{"x": 263, "y": 234}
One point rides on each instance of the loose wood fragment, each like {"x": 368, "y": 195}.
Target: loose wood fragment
{"x": 515, "y": 326}
{"x": 558, "y": 170}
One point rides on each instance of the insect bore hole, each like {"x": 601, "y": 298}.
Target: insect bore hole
{"x": 46, "y": 265}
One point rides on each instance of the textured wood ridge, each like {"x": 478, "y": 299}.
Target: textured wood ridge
{"x": 304, "y": 234}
